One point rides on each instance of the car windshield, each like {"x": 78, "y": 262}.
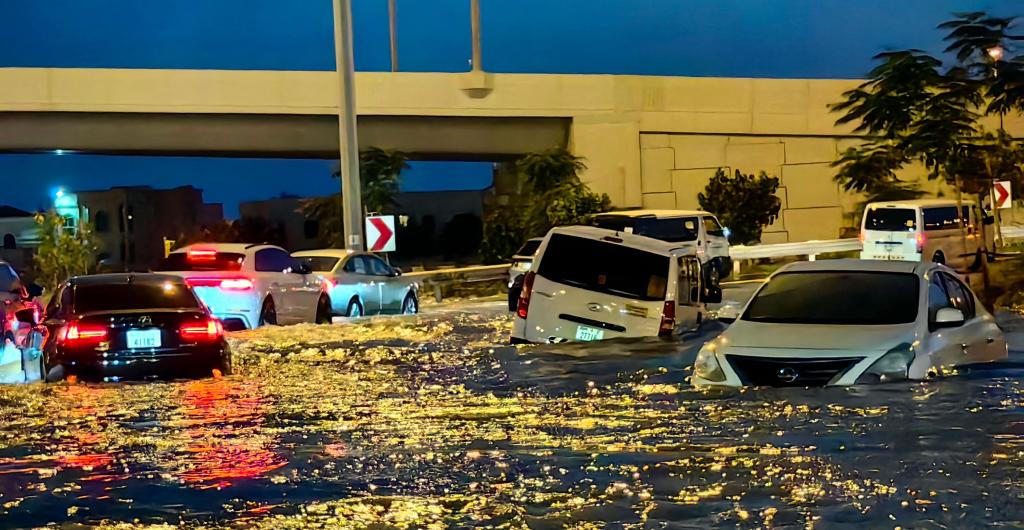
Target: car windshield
{"x": 605, "y": 267}
{"x": 848, "y": 298}
{"x": 320, "y": 263}
{"x": 215, "y": 261}
{"x": 673, "y": 229}
{"x": 530, "y": 248}
{"x": 890, "y": 219}
{"x": 119, "y": 296}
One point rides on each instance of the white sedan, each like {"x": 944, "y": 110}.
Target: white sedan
{"x": 847, "y": 322}
{"x": 361, "y": 283}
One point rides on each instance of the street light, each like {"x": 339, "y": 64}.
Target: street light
{"x": 348, "y": 145}
{"x": 995, "y": 53}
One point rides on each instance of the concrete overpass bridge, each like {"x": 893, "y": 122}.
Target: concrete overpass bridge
{"x": 648, "y": 141}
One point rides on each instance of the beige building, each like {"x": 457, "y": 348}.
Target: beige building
{"x": 649, "y": 141}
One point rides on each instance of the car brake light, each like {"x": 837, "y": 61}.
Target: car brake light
{"x": 208, "y": 330}
{"x": 524, "y": 296}
{"x": 668, "y": 320}
{"x": 229, "y": 284}
{"x": 76, "y": 334}
{"x": 920, "y": 242}
{"x": 329, "y": 284}
{"x": 202, "y": 255}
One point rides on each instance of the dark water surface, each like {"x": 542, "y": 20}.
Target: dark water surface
{"x": 432, "y": 422}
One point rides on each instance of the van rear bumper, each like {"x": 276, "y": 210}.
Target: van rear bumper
{"x": 886, "y": 256}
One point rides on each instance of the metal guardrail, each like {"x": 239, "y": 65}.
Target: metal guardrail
{"x": 436, "y": 280}
{"x": 803, "y": 248}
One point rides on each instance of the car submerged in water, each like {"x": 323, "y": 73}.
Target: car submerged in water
{"x": 848, "y": 322}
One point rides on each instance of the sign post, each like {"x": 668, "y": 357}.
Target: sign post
{"x": 380, "y": 233}
{"x": 1002, "y": 197}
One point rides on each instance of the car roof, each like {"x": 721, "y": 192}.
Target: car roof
{"x": 656, "y": 213}
{"x": 125, "y": 277}
{"x": 325, "y": 252}
{"x": 632, "y": 240}
{"x": 919, "y": 203}
{"x": 233, "y": 248}
{"x": 859, "y": 265}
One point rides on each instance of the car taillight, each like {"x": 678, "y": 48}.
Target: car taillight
{"x": 524, "y": 296}
{"x": 78, "y": 334}
{"x": 329, "y": 284}
{"x": 920, "y": 242}
{"x": 201, "y": 331}
{"x": 228, "y": 284}
{"x": 668, "y": 320}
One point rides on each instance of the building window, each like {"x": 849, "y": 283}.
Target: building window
{"x": 9, "y": 242}
{"x": 311, "y": 228}
{"x": 101, "y": 222}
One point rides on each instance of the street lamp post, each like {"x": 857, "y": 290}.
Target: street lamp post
{"x": 478, "y": 60}
{"x": 348, "y": 145}
{"x": 393, "y": 33}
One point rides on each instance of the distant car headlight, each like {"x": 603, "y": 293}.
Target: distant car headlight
{"x": 893, "y": 366}
{"x": 706, "y": 365}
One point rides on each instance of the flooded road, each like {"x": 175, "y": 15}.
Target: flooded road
{"x": 433, "y": 422}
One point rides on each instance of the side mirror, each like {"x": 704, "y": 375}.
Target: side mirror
{"x": 397, "y": 271}
{"x": 34, "y": 290}
{"x": 26, "y": 316}
{"x": 949, "y": 317}
{"x": 713, "y": 296}
{"x": 727, "y": 313}
{"x": 988, "y": 220}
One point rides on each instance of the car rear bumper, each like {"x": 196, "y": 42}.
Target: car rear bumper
{"x": 195, "y": 363}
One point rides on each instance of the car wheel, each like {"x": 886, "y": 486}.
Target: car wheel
{"x": 939, "y": 258}
{"x": 355, "y": 309}
{"x": 268, "y": 315}
{"x": 323, "y": 310}
{"x": 410, "y": 306}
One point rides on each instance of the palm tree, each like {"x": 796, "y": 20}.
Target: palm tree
{"x": 550, "y": 169}
{"x": 379, "y": 171}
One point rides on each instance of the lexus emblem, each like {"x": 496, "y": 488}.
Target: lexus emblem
{"x": 787, "y": 374}
{"x": 145, "y": 320}
{"x": 595, "y": 307}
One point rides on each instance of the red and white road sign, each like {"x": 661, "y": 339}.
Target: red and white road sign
{"x": 380, "y": 233}
{"x": 1001, "y": 196}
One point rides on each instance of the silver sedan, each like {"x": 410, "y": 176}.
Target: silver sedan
{"x": 361, "y": 283}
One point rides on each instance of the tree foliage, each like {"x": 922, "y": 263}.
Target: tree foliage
{"x": 504, "y": 232}
{"x": 244, "y": 230}
{"x": 743, "y": 203}
{"x": 62, "y": 253}
{"x": 914, "y": 109}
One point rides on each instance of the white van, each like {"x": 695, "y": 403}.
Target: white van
{"x": 588, "y": 283}
{"x": 926, "y": 230}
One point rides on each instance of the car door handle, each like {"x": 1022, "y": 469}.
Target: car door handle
{"x": 963, "y": 348}
{"x": 989, "y": 340}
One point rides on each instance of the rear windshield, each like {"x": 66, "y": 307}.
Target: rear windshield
{"x": 944, "y": 218}
{"x": 675, "y": 229}
{"x": 853, "y": 298}
{"x": 219, "y": 261}
{"x": 118, "y": 296}
{"x": 320, "y": 263}
{"x": 890, "y": 219}
{"x": 530, "y": 248}
{"x": 605, "y": 267}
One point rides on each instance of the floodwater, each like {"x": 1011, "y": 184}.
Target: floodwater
{"x": 433, "y": 422}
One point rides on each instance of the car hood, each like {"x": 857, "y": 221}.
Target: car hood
{"x": 755, "y": 335}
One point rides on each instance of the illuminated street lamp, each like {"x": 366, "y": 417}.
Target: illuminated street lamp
{"x": 995, "y": 53}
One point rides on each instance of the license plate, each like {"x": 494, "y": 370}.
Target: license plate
{"x": 143, "y": 338}
{"x": 587, "y": 333}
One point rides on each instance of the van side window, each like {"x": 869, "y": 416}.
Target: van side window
{"x": 942, "y": 218}
{"x": 713, "y": 228}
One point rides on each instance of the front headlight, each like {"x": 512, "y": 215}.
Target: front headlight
{"x": 893, "y": 366}
{"x": 706, "y": 366}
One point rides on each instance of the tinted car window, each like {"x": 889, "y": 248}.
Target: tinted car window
{"x": 378, "y": 267}
{"x": 674, "y": 229}
{"x": 854, "y": 298}
{"x": 118, "y": 296}
{"x": 220, "y": 261}
{"x": 890, "y": 219}
{"x": 321, "y": 263}
{"x": 8, "y": 278}
{"x": 605, "y": 267}
{"x": 356, "y": 265}
{"x": 942, "y": 218}
{"x": 960, "y": 296}
{"x": 713, "y": 228}
{"x": 938, "y": 298}
{"x": 274, "y": 260}
{"x": 530, "y": 248}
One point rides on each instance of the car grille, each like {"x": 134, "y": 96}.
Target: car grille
{"x": 770, "y": 371}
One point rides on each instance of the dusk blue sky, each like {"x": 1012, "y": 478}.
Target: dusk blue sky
{"x": 731, "y": 38}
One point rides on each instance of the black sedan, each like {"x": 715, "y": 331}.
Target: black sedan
{"x": 129, "y": 326}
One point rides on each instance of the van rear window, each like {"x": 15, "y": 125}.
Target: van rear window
{"x": 605, "y": 267}
{"x": 890, "y": 219}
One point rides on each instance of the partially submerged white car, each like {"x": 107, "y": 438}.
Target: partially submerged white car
{"x": 848, "y": 322}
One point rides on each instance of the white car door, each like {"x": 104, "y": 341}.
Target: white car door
{"x": 274, "y": 266}
{"x": 980, "y": 333}
{"x": 950, "y": 346}
{"x": 386, "y": 283}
